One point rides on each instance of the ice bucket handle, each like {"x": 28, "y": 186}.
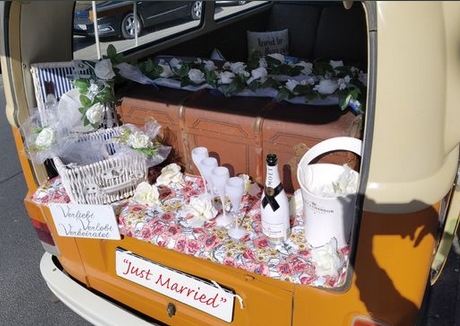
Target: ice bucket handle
{"x": 329, "y": 145}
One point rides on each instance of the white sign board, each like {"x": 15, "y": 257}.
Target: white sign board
{"x": 85, "y": 221}
{"x": 199, "y": 294}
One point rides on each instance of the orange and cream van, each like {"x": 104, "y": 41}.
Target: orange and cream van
{"x": 381, "y": 74}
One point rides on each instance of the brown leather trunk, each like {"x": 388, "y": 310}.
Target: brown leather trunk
{"x": 240, "y": 131}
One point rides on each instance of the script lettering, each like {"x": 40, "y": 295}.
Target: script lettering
{"x": 85, "y": 221}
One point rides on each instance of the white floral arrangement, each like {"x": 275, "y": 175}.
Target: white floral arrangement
{"x": 144, "y": 142}
{"x": 43, "y": 138}
{"x": 199, "y": 209}
{"x": 287, "y": 77}
{"x": 97, "y": 92}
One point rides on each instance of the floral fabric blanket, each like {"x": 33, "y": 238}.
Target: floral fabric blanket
{"x": 169, "y": 225}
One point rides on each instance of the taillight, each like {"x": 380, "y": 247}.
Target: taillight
{"x": 45, "y": 237}
{"x": 43, "y": 232}
{"x": 367, "y": 321}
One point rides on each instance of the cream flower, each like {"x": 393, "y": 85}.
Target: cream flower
{"x": 238, "y": 67}
{"x": 167, "y": 71}
{"x": 307, "y": 67}
{"x": 146, "y": 194}
{"x": 291, "y": 84}
{"x": 196, "y": 76}
{"x": 335, "y": 64}
{"x": 326, "y": 259}
{"x": 277, "y": 56}
{"x": 170, "y": 174}
{"x": 95, "y": 114}
{"x": 202, "y": 211}
{"x": 226, "y": 77}
{"x": 45, "y": 138}
{"x": 138, "y": 139}
{"x": 103, "y": 69}
{"x": 175, "y": 63}
{"x": 209, "y": 65}
{"x": 326, "y": 87}
{"x": 258, "y": 74}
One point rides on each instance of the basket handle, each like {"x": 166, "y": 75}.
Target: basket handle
{"x": 332, "y": 144}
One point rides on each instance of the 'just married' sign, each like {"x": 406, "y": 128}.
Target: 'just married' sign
{"x": 85, "y": 221}
{"x": 202, "y": 295}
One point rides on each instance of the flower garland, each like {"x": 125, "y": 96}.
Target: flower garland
{"x": 287, "y": 76}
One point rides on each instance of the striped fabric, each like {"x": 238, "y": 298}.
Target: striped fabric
{"x": 56, "y": 78}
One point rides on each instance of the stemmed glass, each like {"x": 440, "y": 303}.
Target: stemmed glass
{"x": 198, "y": 154}
{"x": 219, "y": 177}
{"x": 234, "y": 190}
{"x": 206, "y": 166}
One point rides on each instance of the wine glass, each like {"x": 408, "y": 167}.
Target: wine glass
{"x": 199, "y": 153}
{"x": 234, "y": 190}
{"x": 206, "y": 166}
{"x": 219, "y": 177}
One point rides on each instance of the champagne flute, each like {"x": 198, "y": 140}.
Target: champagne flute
{"x": 206, "y": 166}
{"x": 219, "y": 177}
{"x": 199, "y": 153}
{"x": 234, "y": 190}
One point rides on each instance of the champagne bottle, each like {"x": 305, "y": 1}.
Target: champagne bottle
{"x": 274, "y": 207}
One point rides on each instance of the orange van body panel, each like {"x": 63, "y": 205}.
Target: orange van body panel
{"x": 392, "y": 266}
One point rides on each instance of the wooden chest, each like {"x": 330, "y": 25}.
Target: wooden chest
{"x": 239, "y": 131}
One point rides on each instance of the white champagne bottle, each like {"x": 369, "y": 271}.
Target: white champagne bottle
{"x": 274, "y": 207}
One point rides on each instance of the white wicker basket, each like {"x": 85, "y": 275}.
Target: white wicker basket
{"x": 106, "y": 181}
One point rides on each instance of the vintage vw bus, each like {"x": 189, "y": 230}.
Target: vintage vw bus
{"x": 123, "y": 261}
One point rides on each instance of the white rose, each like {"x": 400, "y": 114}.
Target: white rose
{"x": 95, "y": 114}
{"x": 196, "y": 76}
{"x": 93, "y": 87}
{"x": 335, "y": 64}
{"x": 146, "y": 194}
{"x": 201, "y": 209}
{"x": 209, "y": 65}
{"x": 307, "y": 67}
{"x": 103, "y": 69}
{"x": 326, "y": 259}
{"x": 45, "y": 138}
{"x": 170, "y": 174}
{"x": 138, "y": 139}
{"x": 259, "y": 73}
{"x": 167, "y": 72}
{"x": 277, "y": 56}
{"x": 175, "y": 63}
{"x": 238, "y": 67}
{"x": 226, "y": 77}
{"x": 291, "y": 84}
{"x": 326, "y": 87}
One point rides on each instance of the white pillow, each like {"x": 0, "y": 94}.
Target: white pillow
{"x": 269, "y": 42}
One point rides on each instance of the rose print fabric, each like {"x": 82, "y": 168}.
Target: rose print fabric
{"x": 168, "y": 225}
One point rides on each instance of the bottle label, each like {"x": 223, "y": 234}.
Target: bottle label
{"x": 274, "y": 231}
{"x": 270, "y": 197}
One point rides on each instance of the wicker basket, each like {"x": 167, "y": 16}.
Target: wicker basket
{"x": 106, "y": 181}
